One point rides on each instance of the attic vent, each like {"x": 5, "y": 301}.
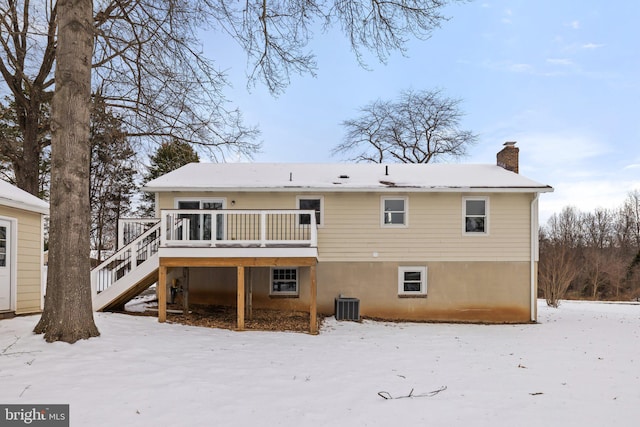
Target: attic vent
{"x": 344, "y": 176}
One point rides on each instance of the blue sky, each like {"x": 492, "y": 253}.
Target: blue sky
{"x": 562, "y": 78}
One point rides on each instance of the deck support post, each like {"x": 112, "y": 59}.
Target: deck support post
{"x": 240, "y": 282}
{"x": 162, "y": 293}
{"x": 313, "y": 309}
{"x": 185, "y": 291}
{"x": 249, "y": 308}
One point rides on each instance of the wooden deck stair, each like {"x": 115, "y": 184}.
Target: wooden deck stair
{"x": 126, "y": 273}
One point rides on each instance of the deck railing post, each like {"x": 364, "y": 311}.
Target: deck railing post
{"x": 163, "y": 228}
{"x": 214, "y": 228}
{"x": 263, "y": 229}
{"x": 314, "y": 231}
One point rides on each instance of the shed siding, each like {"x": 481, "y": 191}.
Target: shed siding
{"x": 29, "y": 259}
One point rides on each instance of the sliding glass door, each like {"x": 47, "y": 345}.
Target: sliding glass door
{"x": 200, "y": 225}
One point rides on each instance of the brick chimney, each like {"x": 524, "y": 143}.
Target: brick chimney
{"x": 508, "y": 157}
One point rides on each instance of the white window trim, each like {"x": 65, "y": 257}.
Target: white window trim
{"x": 284, "y": 293}
{"x": 486, "y": 216}
{"x": 201, "y": 200}
{"x": 423, "y": 283}
{"x": 12, "y": 250}
{"x": 312, "y": 196}
{"x": 406, "y": 212}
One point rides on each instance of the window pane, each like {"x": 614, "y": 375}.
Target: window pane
{"x": 212, "y": 205}
{"x": 3, "y": 246}
{"x": 394, "y": 205}
{"x": 188, "y": 205}
{"x": 412, "y": 287}
{"x": 283, "y": 286}
{"x": 475, "y": 207}
{"x": 412, "y": 275}
{"x": 309, "y": 204}
{"x": 284, "y": 280}
{"x": 474, "y": 225}
{"x": 394, "y": 218}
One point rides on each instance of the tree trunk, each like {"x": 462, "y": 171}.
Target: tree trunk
{"x": 68, "y": 314}
{"x": 26, "y": 164}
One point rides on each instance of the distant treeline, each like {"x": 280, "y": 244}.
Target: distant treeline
{"x": 593, "y": 255}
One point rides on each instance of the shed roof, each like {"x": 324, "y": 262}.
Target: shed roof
{"x": 343, "y": 177}
{"x": 12, "y": 196}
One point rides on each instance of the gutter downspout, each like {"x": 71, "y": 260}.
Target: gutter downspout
{"x": 534, "y": 237}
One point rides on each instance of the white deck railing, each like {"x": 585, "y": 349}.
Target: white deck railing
{"x": 130, "y": 228}
{"x": 260, "y": 228}
{"x": 126, "y": 260}
{"x": 205, "y": 228}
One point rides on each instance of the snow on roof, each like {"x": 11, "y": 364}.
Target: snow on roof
{"x": 14, "y": 197}
{"x": 342, "y": 177}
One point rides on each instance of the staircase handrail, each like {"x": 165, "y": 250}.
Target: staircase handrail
{"x": 129, "y": 247}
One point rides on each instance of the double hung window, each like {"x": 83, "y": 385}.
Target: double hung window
{"x": 394, "y": 211}
{"x": 284, "y": 281}
{"x": 476, "y": 214}
{"x": 310, "y": 203}
{"x": 412, "y": 281}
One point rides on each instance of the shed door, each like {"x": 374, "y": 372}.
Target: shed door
{"x": 5, "y": 265}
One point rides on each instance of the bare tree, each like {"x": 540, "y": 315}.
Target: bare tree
{"x": 149, "y": 65}
{"x": 598, "y": 240}
{"x": 418, "y": 127}
{"x": 148, "y": 68}
{"x": 632, "y": 206}
{"x": 68, "y": 315}
{"x": 566, "y": 227}
{"x": 557, "y": 269}
{"x": 273, "y": 34}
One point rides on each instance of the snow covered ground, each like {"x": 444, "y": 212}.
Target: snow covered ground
{"x": 580, "y": 366}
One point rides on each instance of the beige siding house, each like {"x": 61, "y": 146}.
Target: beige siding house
{"x": 430, "y": 242}
{"x": 21, "y": 251}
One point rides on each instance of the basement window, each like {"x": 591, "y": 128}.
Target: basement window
{"x": 284, "y": 281}
{"x": 412, "y": 281}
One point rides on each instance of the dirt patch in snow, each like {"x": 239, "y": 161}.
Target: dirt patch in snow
{"x": 225, "y": 318}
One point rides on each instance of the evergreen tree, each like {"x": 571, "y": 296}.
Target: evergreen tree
{"x": 168, "y": 157}
{"x": 112, "y": 177}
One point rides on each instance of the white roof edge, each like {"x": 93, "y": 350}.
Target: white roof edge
{"x": 24, "y": 206}
{"x": 408, "y": 189}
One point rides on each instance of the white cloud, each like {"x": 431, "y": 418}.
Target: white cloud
{"x": 520, "y": 68}
{"x": 592, "y": 45}
{"x": 574, "y": 25}
{"x": 506, "y": 19}
{"x": 585, "y": 195}
{"x": 560, "y": 61}
{"x": 563, "y": 149}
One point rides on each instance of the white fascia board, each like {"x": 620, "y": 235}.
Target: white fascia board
{"x": 23, "y": 206}
{"x": 337, "y": 189}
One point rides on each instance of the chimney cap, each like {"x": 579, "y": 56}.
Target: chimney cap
{"x": 510, "y": 143}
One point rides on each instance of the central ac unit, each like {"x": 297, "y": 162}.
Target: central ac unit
{"x": 347, "y": 308}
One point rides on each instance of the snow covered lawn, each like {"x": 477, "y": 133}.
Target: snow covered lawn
{"x": 580, "y": 366}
